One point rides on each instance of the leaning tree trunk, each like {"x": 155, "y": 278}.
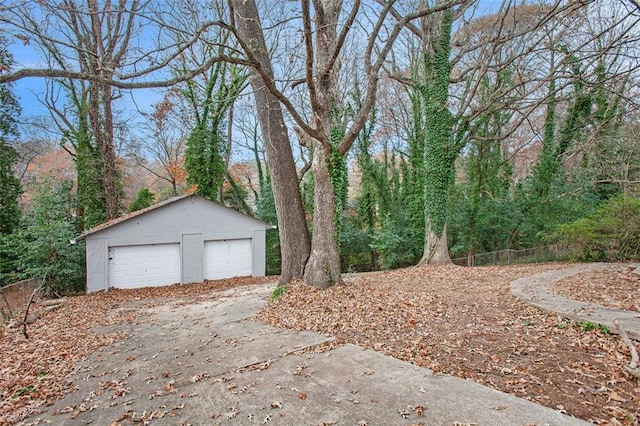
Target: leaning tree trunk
{"x": 292, "y": 227}
{"x": 295, "y": 244}
{"x": 323, "y": 266}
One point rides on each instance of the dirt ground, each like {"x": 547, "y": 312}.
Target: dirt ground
{"x": 454, "y": 320}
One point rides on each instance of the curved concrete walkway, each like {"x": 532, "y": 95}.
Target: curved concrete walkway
{"x": 537, "y": 290}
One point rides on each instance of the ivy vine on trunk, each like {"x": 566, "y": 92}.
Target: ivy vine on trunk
{"x": 440, "y": 149}
{"x": 207, "y": 146}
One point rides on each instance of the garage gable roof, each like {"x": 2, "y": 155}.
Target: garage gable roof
{"x": 154, "y": 207}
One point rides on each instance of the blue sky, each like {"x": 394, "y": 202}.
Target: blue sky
{"x": 29, "y": 90}
{"x": 26, "y": 89}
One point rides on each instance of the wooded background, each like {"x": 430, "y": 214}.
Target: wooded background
{"x": 374, "y": 134}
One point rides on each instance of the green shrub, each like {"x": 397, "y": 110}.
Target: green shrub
{"x": 273, "y": 260}
{"x": 278, "y": 292}
{"x": 355, "y": 252}
{"x": 41, "y": 248}
{"x": 144, "y": 199}
{"x": 612, "y": 233}
{"x": 391, "y": 244}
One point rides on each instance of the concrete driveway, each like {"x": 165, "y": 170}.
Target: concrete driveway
{"x": 210, "y": 363}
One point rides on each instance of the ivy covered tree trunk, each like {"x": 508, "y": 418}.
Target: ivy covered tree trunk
{"x": 204, "y": 162}
{"x": 550, "y": 196}
{"x": 101, "y": 119}
{"x": 208, "y": 148}
{"x": 338, "y": 170}
{"x": 9, "y": 184}
{"x": 89, "y": 168}
{"x": 549, "y": 171}
{"x": 413, "y": 179}
{"x": 439, "y": 175}
{"x": 368, "y": 201}
{"x": 440, "y": 148}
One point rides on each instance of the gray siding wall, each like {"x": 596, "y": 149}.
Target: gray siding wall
{"x": 97, "y": 264}
{"x": 190, "y": 221}
{"x": 259, "y": 253}
{"x": 193, "y": 215}
{"x": 192, "y": 253}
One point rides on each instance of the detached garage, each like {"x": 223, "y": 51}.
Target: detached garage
{"x": 182, "y": 240}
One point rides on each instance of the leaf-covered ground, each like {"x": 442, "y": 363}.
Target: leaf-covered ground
{"x": 618, "y": 289}
{"x": 33, "y": 371}
{"x": 461, "y": 321}
{"x": 465, "y": 322}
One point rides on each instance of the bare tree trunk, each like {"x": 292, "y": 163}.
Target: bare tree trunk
{"x": 295, "y": 244}
{"x": 323, "y": 267}
{"x": 436, "y": 249}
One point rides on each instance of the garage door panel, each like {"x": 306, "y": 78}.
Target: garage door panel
{"x": 227, "y": 258}
{"x": 144, "y": 266}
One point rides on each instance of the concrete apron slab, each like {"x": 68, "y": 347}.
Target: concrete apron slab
{"x": 355, "y": 386}
{"x": 210, "y": 363}
{"x": 537, "y": 290}
{"x": 173, "y": 351}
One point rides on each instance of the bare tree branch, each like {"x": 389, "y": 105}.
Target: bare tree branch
{"x": 308, "y": 44}
{"x": 188, "y": 75}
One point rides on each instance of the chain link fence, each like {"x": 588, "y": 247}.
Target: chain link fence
{"x": 508, "y": 257}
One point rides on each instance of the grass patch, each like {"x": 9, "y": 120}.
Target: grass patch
{"x": 25, "y": 390}
{"x": 278, "y": 292}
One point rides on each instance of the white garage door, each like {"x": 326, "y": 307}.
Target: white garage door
{"x": 227, "y": 258}
{"x": 144, "y": 266}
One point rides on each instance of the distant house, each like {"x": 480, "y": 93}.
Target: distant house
{"x": 182, "y": 240}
